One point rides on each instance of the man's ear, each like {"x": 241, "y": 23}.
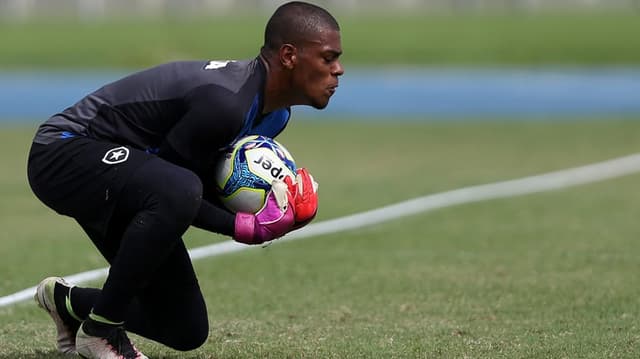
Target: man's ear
{"x": 288, "y": 56}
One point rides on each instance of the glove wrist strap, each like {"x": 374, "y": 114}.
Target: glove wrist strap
{"x": 244, "y": 227}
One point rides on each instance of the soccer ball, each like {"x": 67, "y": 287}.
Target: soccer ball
{"x": 244, "y": 175}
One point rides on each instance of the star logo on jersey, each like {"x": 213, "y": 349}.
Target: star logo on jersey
{"x": 116, "y": 155}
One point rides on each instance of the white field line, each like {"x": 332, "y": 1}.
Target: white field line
{"x": 545, "y": 182}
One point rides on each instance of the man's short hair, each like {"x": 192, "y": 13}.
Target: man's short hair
{"x": 295, "y": 22}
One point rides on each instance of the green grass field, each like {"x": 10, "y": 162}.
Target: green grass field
{"x": 465, "y": 40}
{"x": 548, "y": 275}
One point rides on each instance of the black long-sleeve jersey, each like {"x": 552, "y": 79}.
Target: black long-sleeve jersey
{"x": 194, "y": 108}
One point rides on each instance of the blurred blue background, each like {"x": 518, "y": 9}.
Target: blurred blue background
{"x": 421, "y": 90}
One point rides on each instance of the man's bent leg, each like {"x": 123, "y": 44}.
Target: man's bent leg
{"x": 171, "y": 309}
{"x": 164, "y": 199}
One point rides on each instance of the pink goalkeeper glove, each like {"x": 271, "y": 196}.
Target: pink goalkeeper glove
{"x": 272, "y": 221}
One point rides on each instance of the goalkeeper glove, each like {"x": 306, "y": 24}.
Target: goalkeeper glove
{"x": 305, "y": 197}
{"x": 272, "y": 221}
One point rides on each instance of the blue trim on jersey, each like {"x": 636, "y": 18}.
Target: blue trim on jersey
{"x": 270, "y": 126}
{"x": 67, "y": 134}
{"x": 250, "y": 117}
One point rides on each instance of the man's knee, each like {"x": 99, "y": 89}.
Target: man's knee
{"x": 182, "y": 195}
{"x": 191, "y": 337}
{"x": 170, "y": 192}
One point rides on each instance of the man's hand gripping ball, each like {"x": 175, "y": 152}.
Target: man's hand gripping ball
{"x": 272, "y": 221}
{"x": 290, "y": 205}
{"x": 305, "y": 197}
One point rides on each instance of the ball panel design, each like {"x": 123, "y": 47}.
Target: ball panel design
{"x": 244, "y": 175}
{"x": 248, "y": 200}
{"x": 266, "y": 164}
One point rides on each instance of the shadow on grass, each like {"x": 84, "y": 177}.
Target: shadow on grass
{"x": 53, "y": 354}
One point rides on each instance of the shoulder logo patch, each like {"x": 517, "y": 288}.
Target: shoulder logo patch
{"x": 116, "y": 155}
{"x": 214, "y": 65}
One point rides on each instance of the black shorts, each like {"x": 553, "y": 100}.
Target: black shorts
{"x": 81, "y": 177}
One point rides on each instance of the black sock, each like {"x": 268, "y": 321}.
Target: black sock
{"x": 63, "y": 305}
{"x": 82, "y": 299}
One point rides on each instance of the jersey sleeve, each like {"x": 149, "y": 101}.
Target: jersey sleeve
{"x": 215, "y": 219}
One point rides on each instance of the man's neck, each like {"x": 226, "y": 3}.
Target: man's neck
{"x": 272, "y": 97}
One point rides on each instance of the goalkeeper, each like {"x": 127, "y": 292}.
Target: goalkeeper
{"x": 128, "y": 163}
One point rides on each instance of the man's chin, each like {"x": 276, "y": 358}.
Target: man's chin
{"x": 319, "y": 105}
